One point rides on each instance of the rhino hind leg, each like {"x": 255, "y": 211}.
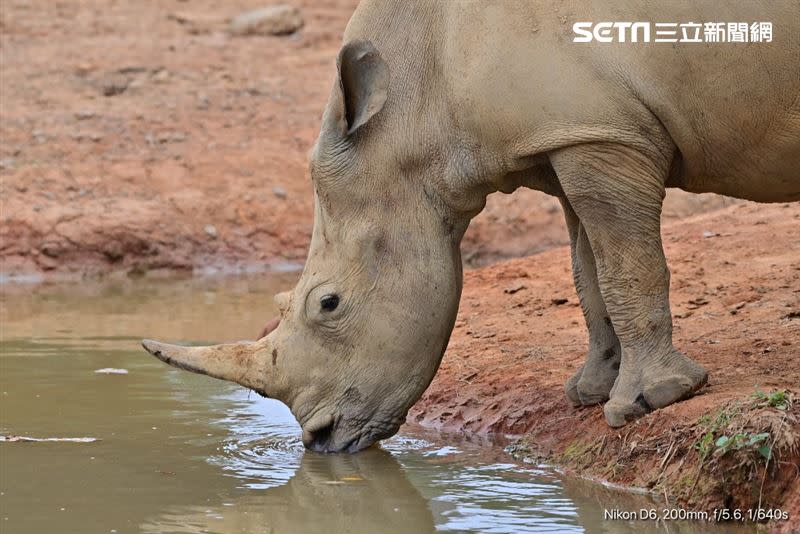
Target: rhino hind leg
{"x": 617, "y": 193}
{"x": 592, "y": 382}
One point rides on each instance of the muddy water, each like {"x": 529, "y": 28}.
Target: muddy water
{"x": 177, "y": 452}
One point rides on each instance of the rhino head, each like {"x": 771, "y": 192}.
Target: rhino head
{"x": 362, "y": 334}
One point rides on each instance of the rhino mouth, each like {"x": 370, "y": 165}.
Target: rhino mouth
{"x": 328, "y": 439}
{"x": 329, "y": 436}
{"x": 325, "y": 441}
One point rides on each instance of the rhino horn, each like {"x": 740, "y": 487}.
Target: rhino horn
{"x": 243, "y": 363}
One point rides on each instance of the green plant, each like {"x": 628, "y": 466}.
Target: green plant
{"x": 704, "y": 444}
{"x": 712, "y": 426}
{"x": 741, "y": 440}
{"x": 717, "y": 438}
{"x": 778, "y": 399}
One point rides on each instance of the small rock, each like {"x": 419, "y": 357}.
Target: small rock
{"x": 84, "y": 68}
{"x": 46, "y": 263}
{"x": 132, "y": 69}
{"x": 114, "y": 85}
{"x": 92, "y": 136}
{"x": 559, "y": 301}
{"x": 709, "y": 233}
{"x": 161, "y": 76}
{"x": 85, "y": 115}
{"x": 114, "y": 251}
{"x": 737, "y": 307}
{"x": 181, "y": 18}
{"x": 139, "y": 80}
{"x": 171, "y": 137}
{"x": 273, "y": 20}
{"x": 514, "y": 288}
{"x": 279, "y": 192}
{"x": 257, "y": 91}
{"x": 697, "y": 302}
{"x": 195, "y": 23}
{"x": 211, "y": 230}
{"x": 51, "y": 250}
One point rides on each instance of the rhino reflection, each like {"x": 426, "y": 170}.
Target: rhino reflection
{"x": 367, "y": 492}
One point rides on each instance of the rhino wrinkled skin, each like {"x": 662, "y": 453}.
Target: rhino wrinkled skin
{"x": 437, "y": 105}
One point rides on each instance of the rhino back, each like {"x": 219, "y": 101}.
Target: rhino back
{"x": 507, "y": 81}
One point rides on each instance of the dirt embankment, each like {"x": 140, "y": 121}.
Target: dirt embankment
{"x": 142, "y": 136}
{"x": 736, "y": 303}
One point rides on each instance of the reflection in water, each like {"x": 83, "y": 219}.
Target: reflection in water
{"x": 340, "y": 493}
{"x": 184, "y": 453}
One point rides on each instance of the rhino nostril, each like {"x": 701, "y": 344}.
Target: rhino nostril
{"x": 319, "y": 440}
{"x": 317, "y": 432}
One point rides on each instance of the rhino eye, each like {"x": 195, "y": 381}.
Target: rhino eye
{"x": 329, "y": 302}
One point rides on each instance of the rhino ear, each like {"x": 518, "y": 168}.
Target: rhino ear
{"x": 363, "y": 82}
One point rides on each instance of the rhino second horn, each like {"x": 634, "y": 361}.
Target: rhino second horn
{"x": 242, "y": 363}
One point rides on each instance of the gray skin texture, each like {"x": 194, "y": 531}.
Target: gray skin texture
{"x": 437, "y": 105}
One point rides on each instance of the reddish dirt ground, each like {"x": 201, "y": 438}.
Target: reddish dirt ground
{"x": 141, "y": 136}
{"x": 735, "y": 299}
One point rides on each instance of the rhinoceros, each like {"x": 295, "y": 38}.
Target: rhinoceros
{"x": 438, "y": 104}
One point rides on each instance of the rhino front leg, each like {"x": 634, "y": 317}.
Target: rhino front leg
{"x": 617, "y": 193}
{"x": 592, "y": 383}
